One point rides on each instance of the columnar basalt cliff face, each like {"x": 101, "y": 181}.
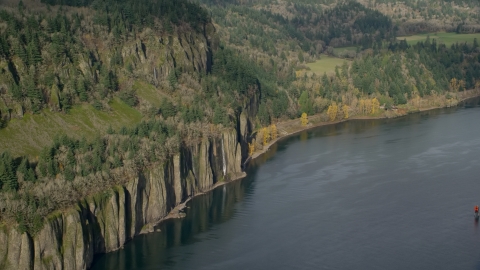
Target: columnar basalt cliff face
{"x": 153, "y": 58}
{"x": 104, "y": 222}
{"x": 15, "y": 250}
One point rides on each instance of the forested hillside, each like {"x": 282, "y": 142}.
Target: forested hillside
{"x": 188, "y": 71}
{"x": 71, "y": 56}
{"x": 160, "y": 58}
{"x": 305, "y": 29}
{"x": 416, "y": 16}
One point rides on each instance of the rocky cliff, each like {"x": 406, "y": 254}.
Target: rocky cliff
{"x": 101, "y": 64}
{"x": 106, "y": 221}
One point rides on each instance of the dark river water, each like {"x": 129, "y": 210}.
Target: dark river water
{"x": 374, "y": 194}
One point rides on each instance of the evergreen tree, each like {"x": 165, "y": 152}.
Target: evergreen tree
{"x": 219, "y": 116}
{"x": 33, "y": 51}
{"x": 81, "y": 89}
{"x": 117, "y": 162}
{"x": 172, "y": 79}
{"x": 16, "y": 92}
{"x": 4, "y": 46}
{"x": 8, "y": 177}
{"x": 306, "y": 104}
{"x": 263, "y": 115}
{"x": 71, "y": 158}
{"x": 167, "y": 109}
{"x": 129, "y": 97}
{"x": 21, "y": 52}
{"x": 26, "y": 170}
{"x": 69, "y": 173}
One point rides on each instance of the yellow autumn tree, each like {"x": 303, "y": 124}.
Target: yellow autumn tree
{"x": 273, "y": 131}
{"x": 304, "y": 119}
{"x": 332, "y": 111}
{"x": 375, "y": 105}
{"x": 345, "y": 111}
{"x": 266, "y": 135}
{"x": 361, "y": 105}
{"x": 317, "y": 87}
{"x": 368, "y": 106}
{"x": 251, "y": 148}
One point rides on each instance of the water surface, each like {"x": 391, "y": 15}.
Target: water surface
{"x": 376, "y": 194}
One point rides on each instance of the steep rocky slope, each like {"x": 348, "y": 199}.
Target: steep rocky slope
{"x": 104, "y": 222}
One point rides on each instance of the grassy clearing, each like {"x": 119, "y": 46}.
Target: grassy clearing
{"x": 147, "y": 92}
{"x": 326, "y": 64}
{"x": 447, "y": 38}
{"x": 27, "y": 136}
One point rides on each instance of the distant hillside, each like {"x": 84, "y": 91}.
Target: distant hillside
{"x": 431, "y": 15}
{"x": 313, "y": 26}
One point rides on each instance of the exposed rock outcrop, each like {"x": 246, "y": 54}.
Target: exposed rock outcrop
{"x": 153, "y": 58}
{"x": 15, "y": 250}
{"x": 106, "y": 221}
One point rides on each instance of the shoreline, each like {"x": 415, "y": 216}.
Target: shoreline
{"x": 256, "y": 154}
{"x": 177, "y": 211}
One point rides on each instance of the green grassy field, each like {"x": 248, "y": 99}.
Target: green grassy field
{"x": 326, "y": 64}
{"x": 447, "y": 38}
{"x": 27, "y": 136}
{"x": 148, "y": 93}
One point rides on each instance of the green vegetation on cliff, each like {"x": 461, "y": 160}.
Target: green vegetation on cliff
{"x": 62, "y": 57}
{"x": 109, "y": 88}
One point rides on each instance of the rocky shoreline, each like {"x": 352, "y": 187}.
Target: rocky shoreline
{"x": 104, "y": 223}
{"x": 177, "y": 212}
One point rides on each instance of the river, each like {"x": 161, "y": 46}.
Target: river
{"x": 364, "y": 194}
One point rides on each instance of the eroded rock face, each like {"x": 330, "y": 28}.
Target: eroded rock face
{"x": 205, "y": 175}
{"x": 234, "y": 155}
{"x": 15, "y": 250}
{"x": 154, "y": 57}
{"x": 77, "y": 241}
{"x": 47, "y": 245}
{"x": 106, "y": 221}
